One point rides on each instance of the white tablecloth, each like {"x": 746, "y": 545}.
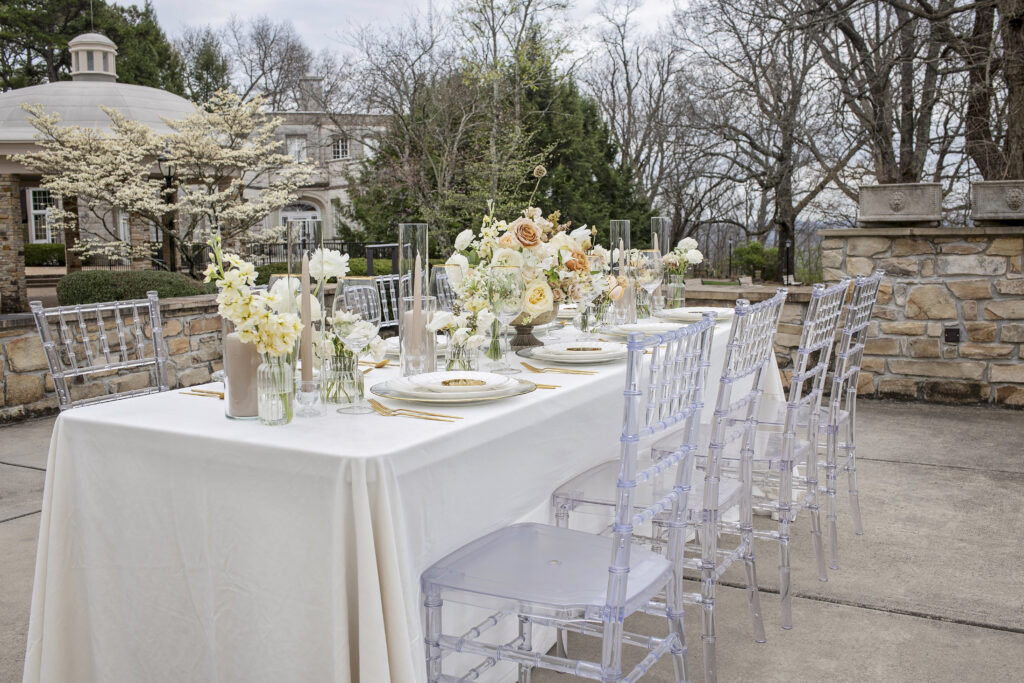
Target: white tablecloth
{"x": 176, "y": 545}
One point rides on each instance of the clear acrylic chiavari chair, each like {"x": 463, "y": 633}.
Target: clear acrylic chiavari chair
{"x": 840, "y": 424}
{"x": 553, "y": 576}
{"x": 748, "y": 352}
{"x": 108, "y": 344}
{"x": 789, "y": 437}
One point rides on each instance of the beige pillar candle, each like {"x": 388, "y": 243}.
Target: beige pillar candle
{"x": 240, "y": 363}
{"x": 306, "y": 341}
{"x": 656, "y": 243}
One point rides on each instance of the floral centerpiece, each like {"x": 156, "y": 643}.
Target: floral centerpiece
{"x": 465, "y": 330}
{"x": 551, "y": 255}
{"x": 684, "y": 255}
{"x": 262, "y": 318}
{"x": 677, "y": 262}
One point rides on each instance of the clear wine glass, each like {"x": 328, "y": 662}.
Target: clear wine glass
{"x": 506, "y": 290}
{"x": 648, "y": 269}
{"x": 584, "y": 320}
{"x": 356, "y": 320}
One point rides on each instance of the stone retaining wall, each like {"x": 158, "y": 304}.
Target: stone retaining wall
{"x": 965, "y": 280}
{"x": 191, "y": 329}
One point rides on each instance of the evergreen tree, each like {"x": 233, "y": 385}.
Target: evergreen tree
{"x": 207, "y": 68}
{"x": 34, "y": 37}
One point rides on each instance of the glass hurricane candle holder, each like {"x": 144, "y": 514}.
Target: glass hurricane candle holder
{"x": 417, "y": 345}
{"x": 307, "y": 396}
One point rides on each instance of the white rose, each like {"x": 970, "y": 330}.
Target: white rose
{"x": 484, "y": 319}
{"x": 456, "y": 275}
{"x": 460, "y": 336}
{"x": 440, "y": 321}
{"x": 507, "y": 257}
{"x": 605, "y": 255}
{"x": 379, "y": 349}
{"x": 538, "y": 298}
{"x": 475, "y": 340}
{"x": 694, "y": 257}
{"x": 327, "y": 263}
{"x": 562, "y": 241}
{"x": 463, "y": 239}
{"x": 686, "y": 244}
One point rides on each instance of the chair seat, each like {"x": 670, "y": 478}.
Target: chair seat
{"x": 543, "y": 570}
{"x": 768, "y": 446}
{"x": 773, "y": 414}
{"x": 596, "y": 487}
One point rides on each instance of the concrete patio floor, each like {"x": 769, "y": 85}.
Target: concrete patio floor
{"x": 933, "y": 591}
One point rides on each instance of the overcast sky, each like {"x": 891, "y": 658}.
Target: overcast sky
{"x": 325, "y": 23}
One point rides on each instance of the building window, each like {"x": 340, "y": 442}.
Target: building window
{"x": 124, "y": 226}
{"x": 339, "y": 148}
{"x": 296, "y": 147}
{"x": 105, "y": 68}
{"x": 40, "y": 202}
{"x": 90, "y": 64}
{"x": 77, "y": 64}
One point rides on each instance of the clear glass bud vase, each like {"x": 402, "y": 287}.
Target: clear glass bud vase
{"x": 341, "y": 380}
{"x": 275, "y": 388}
{"x": 461, "y": 357}
{"x": 675, "y": 291}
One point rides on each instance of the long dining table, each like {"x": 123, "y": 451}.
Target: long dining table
{"x": 177, "y": 545}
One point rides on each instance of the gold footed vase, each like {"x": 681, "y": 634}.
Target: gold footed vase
{"x": 524, "y": 331}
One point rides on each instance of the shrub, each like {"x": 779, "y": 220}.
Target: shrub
{"x": 753, "y": 256}
{"x": 92, "y": 286}
{"x": 44, "y": 255}
{"x": 356, "y": 268}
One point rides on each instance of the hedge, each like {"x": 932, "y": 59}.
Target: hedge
{"x": 92, "y": 286}
{"x": 356, "y": 268}
{"x": 44, "y": 255}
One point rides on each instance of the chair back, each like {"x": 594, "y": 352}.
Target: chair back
{"x": 850, "y": 347}
{"x": 446, "y": 296}
{"x": 746, "y": 356}
{"x": 388, "y": 288}
{"x": 807, "y": 385}
{"x": 120, "y": 339}
{"x": 668, "y": 396}
{"x": 365, "y": 299}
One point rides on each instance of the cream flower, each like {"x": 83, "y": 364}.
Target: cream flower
{"x": 694, "y": 257}
{"x": 327, "y": 263}
{"x": 507, "y": 257}
{"x": 463, "y": 239}
{"x": 379, "y": 349}
{"x": 582, "y": 237}
{"x": 456, "y": 275}
{"x": 686, "y": 244}
{"x": 538, "y": 298}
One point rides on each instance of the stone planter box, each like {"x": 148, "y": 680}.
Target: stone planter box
{"x": 998, "y": 200}
{"x": 903, "y": 204}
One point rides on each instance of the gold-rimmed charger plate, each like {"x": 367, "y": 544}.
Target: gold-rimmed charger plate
{"x": 528, "y": 352}
{"x": 381, "y": 389}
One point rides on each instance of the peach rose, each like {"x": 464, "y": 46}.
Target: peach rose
{"x": 578, "y": 262}
{"x": 616, "y": 287}
{"x": 508, "y": 241}
{"x": 526, "y": 232}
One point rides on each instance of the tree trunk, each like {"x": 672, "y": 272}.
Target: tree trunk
{"x": 72, "y": 261}
{"x": 980, "y": 146}
{"x": 1011, "y": 26}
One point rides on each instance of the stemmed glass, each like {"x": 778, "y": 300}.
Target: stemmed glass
{"x": 356, "y": 321}
{"x": 648, "y": 270}
{"x": 506, "y": 290}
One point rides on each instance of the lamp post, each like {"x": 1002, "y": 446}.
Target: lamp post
{"x": 789, "y": 255}
{"x": 730, "y": 258}
{"x": 166, "y": 168}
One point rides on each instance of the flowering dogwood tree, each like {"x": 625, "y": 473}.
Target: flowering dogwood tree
{"x": 230, "y": 173}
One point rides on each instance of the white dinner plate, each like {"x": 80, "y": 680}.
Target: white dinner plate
{"x": 517, "y": 387}
{"x": 460, "y": 381}
{"x": 643, "y": 327}
{"x": 582, "y": 351}
{"x": 695, "y": 313}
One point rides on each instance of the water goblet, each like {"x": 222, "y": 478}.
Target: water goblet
{"x": 506, "y": 290}
{"x": 356, "y": 320}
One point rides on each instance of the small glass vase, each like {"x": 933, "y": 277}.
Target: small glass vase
{"x": 461, "y": 357}
{"x": 341, "y": 383}
{"x": 275, "y": 390}
{"x": 675, "y": 291}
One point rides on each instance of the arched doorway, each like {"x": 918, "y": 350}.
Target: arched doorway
{"x": 304, "y": 219}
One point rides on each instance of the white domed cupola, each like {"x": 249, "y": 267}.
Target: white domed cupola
{"x": 92, "y": 58}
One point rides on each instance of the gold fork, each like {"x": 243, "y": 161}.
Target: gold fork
{"x": 381, "y": 364}
{"x": 382, "y": 409}
{"x": 564, "y": 371}
{"x": 412, "y": 410}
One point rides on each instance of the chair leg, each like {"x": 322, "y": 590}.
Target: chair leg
{"x": 753, "y": 595}
{"x": 785, "y": 515}
{"x": 815, "y": 512}
{"x": 561, "y": 636}
{"x": 432, "y": 602}
{"x": 526, "y": 633}
{"x": 831, "y": 512}
{"x": 707, "y": 637}
{"x": 851, "y": 479}
{"x": 674, "y": 607}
